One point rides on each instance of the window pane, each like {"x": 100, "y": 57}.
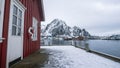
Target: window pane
{"x": 15, "y": 9}
{"x": 19, "y": 22}
{"x": 13, "y": 30}
{"x": 20, "y": 14}
{"x": 35, "y": 26}
{"x": 19, "y": 32}
{"x": 14, "y": 20}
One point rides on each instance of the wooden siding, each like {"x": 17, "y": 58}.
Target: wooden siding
{"x": 31, "y": 11}
{"x": 3, "y": 46}
{"x": 0, "y": 54}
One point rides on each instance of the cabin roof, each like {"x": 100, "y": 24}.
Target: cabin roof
{"x": 41, "y": 10}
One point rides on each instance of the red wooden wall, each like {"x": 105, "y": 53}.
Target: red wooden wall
{"x": 32, "y": 10}
{"x": 3, "y": 46}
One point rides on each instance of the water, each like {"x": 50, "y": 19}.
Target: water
{"x": 61, "y": 42}
{"x": 110, "y": 47}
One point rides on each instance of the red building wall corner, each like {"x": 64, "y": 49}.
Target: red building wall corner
{"x": 5, "y": 34}
{"x": 34, "y": 8}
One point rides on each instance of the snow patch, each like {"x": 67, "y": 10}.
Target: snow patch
{"x": 71, "y": 57}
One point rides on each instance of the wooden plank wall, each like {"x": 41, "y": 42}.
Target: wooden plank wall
{"x": 28, "y": 45}
{"x": 0, "y": 54}
{"x": 31, "y": 11}
{"x": 3, "y": 46}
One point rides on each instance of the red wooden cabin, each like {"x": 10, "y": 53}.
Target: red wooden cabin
{"x": 19, "y": 29}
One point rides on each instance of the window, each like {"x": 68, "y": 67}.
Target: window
{"x": 16, "y": 21}
{"x": 35, "y": 27}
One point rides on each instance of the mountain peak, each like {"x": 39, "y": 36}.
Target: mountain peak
{"x": 59, "y": 27}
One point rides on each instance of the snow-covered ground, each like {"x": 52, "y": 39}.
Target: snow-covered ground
{"x": 71, "y": 57}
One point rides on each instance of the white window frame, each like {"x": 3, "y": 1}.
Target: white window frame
{"x": 19, "y": 19}
{"x": 2, "y": 5}
{"x": 35, "y": 29}
{"x": 21, "y": 7}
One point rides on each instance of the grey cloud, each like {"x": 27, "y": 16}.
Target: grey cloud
{"x": 98, "y": 15}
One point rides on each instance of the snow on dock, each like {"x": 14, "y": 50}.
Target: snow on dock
{"x": 72, "y": 57}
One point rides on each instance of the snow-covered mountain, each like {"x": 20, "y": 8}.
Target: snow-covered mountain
{"x": 60, "y": 28}
{"x": 43, "y": 28}
{"x": 57, "y": 27}
{"x": 75, "y": 31}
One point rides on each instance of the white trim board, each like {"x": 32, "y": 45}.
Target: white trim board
{"x": 21, "y": 7}
{"x": 2, "y": 5}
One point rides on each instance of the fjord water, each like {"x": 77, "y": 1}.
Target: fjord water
{"x": 110, "y": 47}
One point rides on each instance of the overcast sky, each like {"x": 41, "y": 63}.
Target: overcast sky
{"x": 99, "y": 17}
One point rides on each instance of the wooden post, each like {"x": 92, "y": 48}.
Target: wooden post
{"x": 87, "y": 47}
